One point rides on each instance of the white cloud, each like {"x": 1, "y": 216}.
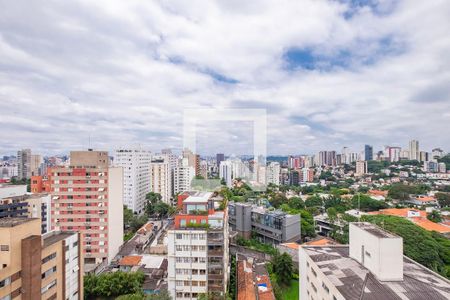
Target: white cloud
{"x": 123, "y": 71}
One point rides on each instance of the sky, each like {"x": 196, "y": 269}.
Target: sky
{"x": 328, "y": 74}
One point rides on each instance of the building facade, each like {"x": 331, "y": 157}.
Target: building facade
{"x": 24, "y": 164}
{"x": 372, "y": 266}
{"x": 161, "y": 177}
{"x": 198, "y": 247}
{"x": 272, "y": 227}
{"x": 87, "y": 198}
{"x": 35, "y": 266}
{"x": 136, "y": 176}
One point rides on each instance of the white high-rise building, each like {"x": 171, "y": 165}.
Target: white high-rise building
{"x": 225, "y": 172}
{"x": 161, "y": 177}
{"x": 273, "y": 173}
{"x": 182, "y": 177}
{"x": 414, "y": 152}
{"x": 136, "y": 176}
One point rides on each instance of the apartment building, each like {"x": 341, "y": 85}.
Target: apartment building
{"x": 16, "y": 202}
{"x": 182, "y": 177}
{"x": 136, "y": 176}
{"x": 361, "y": 168}
{"x": 273, "y": 173}
{"x": 198, "y": 247}
{"x": 372, "y": 266}
{"x": 87, "y": 197}
{"x": 35, "y": 266}
{"x": 24, "y": 164}
{"x": 272, "y": 227}
{"x": 161, "y": 177}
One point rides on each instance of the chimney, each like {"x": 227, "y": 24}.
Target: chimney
{"x": 377, "y": 250}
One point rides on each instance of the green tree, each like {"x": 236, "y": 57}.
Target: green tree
{"x": 296, "y": 203}
{"x": 278, "y": 199}
{"x": 443, "y": 199}
{"x": 283, "y": 268}
{"x": 435, "y": 216}
{"x": 314, "y": 201}
{"x": 366, "y": 203}
{"x": 127, "y": 216}
{"x": 113, "y": 284}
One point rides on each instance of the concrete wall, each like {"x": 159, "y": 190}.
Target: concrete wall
{"x": 115, "y": 211}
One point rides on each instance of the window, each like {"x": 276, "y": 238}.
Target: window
{"x": 324, "y": 286}
{"x": 179, "y": 236}
{"x": 49, "y": 258}
{"x": 49, "y": 272}
{"x": 5, "y": 282}
{"x": 314, "y": 287}
{"x": 48, "y": 287}
{"x": 4, "y": 248}
{"x": 314, "y": 272}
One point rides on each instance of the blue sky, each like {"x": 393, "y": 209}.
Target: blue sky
{"x": 329, "y": 73}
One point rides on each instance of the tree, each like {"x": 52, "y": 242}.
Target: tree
{"x": 332, "y": 213}
{"x": 443, "y": 199}
{"x": 278, "y": 199}
{"x": 296, "y": 203}
{"x": 162, "y": 295}
{"x": 113, "y": 284}
{"x": 366, "y": 203}
{"x": 314, "y": 201}
{"x": 127, "y": 216}
{"x": 283, "y": 268}
{"x": 435, "y": 216}
{"x": 161, "y": 209}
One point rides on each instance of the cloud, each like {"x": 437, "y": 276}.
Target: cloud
{"x": 329, "y": 73}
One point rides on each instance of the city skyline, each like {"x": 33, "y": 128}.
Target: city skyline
{"x": 329, "y": 73}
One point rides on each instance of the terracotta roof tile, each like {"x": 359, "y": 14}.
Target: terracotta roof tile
{"x": 130, "y": 260}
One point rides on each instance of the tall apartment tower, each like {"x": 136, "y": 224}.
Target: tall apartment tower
{"x": 368, "y": 152}
{"x": 219, "y": 158}
{"x": 35, "y": 164}
{"x": 361, "y": 168}
{"x": 414, "y": 152}
{"x": 24, "y": 164}
{"x": 273, "y": 173}
{"x": 182, "y": 177}
{"x": 198, "y": 247}
{"x": 35, "y": 266}
{"x": 87, "y": 197}
{"x": 136, "y": 176}
{"x": 161, "y": 177}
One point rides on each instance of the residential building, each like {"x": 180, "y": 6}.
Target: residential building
{"x": 424, "y": 156}
{"x": 273, "y": 173}
{"x": 136, "y": 176}
{"x": 307, "y": 175}
{"x": 182, "y": 177}
{"x": 437, "y": 153}
{"x": 198, "y": 247}
{"x": 372, "y": 266}
{"x": 392, "y": 153}
{"x": 16, "y": 202}
{"x": 220, "y": 157}
{"x": 361, "y": 168}
{"x": 368, "y": 152}
{"x": 24, "y": 164}
{"x": 272, "y": 227}
{"x": 35, "y": 266}
{"x": 414, "y": 152}
{"x": 442, "y": 167}
{"x": 161, "y": 177}
{"x": 36, "y": 165}
{"x": 225, "y": 172}
{"x": 87, "y": 197}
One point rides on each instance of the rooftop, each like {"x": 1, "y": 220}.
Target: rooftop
{"x": 12, "y": 222}
{"x": 130, "y": 260}
{"x": 356, "y": 282}
{"x": 198, "y": 197}
{"x": 55, "y": 236}
{"x": 375, "y": 230}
